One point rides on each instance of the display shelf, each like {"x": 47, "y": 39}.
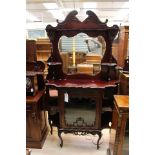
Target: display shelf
{"x": 43, "y": 52}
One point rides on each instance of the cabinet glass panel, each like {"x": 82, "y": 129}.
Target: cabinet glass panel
{"x": 80, "y": 112}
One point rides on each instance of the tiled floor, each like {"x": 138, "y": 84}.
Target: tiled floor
{"x": 73, "y": 145}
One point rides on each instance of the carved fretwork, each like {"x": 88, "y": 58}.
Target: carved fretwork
{"x": 80, "y": 132}
{"x": 79, "y": 122}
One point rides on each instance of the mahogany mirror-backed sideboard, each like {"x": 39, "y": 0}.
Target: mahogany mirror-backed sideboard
{"x": 81, "y": 87}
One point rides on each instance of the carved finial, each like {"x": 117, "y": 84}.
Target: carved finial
{"x": 57, "y": 21}
{"x": 48, "y": 27}
{"x": 93, "y": 17}
{"x": 106, "y": 21}
{"x": 69, "y": 17}
{"x": 72, "y": 13}
{"x": 50, "y": 32}
{"x": 113, "y": 32}
{"x": 91, "y": 14}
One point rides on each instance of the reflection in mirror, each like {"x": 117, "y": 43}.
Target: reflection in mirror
{"x": 82, "y": 54}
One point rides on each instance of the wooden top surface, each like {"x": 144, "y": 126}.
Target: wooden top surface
{"x": 72, "y": 83}
{"x": 34, "y": 99}
{"x": 122, "y": 101}
{"x": 126, "y": 75}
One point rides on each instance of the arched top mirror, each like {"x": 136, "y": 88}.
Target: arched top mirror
{"x": 82, "y": 54}
{"x": 80, "y": 48}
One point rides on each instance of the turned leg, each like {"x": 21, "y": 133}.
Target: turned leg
{"x": 99, "y": 137}
{"x": 59, "y": 134}
{"x": 51, "y": 126}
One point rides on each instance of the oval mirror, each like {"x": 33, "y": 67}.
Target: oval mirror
{"x": 82, "y": 54}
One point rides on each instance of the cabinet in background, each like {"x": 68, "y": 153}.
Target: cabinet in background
{"x": 43, "y": 51}
{"x": 124, "y": 83}
{"x": 119, "y": 140}
{"x": 31, "y": 50}
{"x": 123, "y": 45}
{"x": 36, "y": 126}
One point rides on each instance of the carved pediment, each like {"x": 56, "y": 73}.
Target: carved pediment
{"x": 73, "y": 23}
{"x": 70, "y": 27}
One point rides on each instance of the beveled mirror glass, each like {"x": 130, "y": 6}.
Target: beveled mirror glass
{"x": 82, "y": 54}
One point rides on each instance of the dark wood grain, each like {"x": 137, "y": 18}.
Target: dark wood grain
{"x": 75, "y": 83}
{"x": 36, "y": 127}
{"x": 120, "y": 116}
{"x": 70, "y": 27}
{"x": 80, "y": 85}
{"x": 123, "y": 42}
{"x": 31, "y": 50}
{"x": 122, "y": 101}
{"x": 34, "y": 99}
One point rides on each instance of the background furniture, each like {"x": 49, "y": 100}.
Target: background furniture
{"x": 31, "y": 50}
{"x": 120, "y": 116}
{"x": 124, "y": 83}
{"x": 36, "y": 127}
{"x": 43, "y": 51}
{"x": 126, "y": 64}
{"x": 67, "y": 59}
{"x": 123, "y": 42}
{"x": 85, "y": 68}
